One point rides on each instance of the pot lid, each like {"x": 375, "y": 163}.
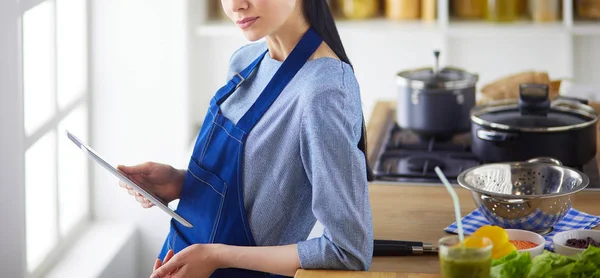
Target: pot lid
{"x": 535, "y": 112}
{"x": 514, "y": 118}
{"x": 433, "y": 78}
{"x": 447, "y": 78}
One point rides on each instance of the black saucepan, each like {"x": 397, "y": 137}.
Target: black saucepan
{"x": 534, "y": 126}
{"x": 433, "y": 102}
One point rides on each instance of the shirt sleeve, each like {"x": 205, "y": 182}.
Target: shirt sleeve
{"x": 335, "y": 166}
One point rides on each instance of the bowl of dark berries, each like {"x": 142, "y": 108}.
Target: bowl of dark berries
{"x": 575, "y": 241}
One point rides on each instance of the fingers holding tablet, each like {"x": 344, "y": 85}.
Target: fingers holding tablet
{"x": 158, "y": 184}
{"x": 138, "y": 197}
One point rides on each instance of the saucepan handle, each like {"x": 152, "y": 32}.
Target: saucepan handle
{"x": 387, "y": 250}
{"x": 495, "y": 136}
{"x": 533, "y": 99}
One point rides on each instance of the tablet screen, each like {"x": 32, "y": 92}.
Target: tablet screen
{"x": 147, "y": 194}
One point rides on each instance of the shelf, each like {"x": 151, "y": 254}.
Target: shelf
{"x": 384, "y": 25}
{"x": 586, "y": 28}
{"x": 519, "y": 28}
{"x": 454, "y": 28}
{"x": 227, "y": 28}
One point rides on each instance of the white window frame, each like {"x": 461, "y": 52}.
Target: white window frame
{"x": 14, "y": 143}
{"x": 12, "y": 166}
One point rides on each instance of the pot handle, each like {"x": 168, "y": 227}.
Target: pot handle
{"x": 549, "y": 160}
{"x": 533, "y": 99}
{"x": 501, "y": 200}
{"x": 494, "y": 136}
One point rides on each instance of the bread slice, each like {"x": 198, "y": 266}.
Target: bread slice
{"x": 508, "y": 87}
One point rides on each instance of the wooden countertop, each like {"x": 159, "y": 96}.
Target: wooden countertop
{"x": 420, "y": 213}
{"x": 417, "y": 213}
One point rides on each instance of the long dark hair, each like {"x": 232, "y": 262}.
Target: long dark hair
{"x": 320, "y": 18}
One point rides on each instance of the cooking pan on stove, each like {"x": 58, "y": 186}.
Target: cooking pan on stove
{"x": 435, "y": 102}
{"x": 534, "y": 126}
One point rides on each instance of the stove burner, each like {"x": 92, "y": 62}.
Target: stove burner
{"x": 406, "y": 156}
{"x": 422, "y": 138}
{"x": 403, "y": 139}
{"x": 424, "y": 163}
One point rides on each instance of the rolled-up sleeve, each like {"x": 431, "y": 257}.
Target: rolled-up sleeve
{"x": 335, "y": 166}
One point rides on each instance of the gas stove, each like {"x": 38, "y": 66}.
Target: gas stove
{"x": 406, "y": 157}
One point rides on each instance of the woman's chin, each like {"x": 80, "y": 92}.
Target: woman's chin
{"x": 253, "y": 35}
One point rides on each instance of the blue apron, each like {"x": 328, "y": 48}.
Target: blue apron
{"x": 212, "y": 196}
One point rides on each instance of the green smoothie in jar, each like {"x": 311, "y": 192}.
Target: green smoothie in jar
{"x": 465, "y": 261}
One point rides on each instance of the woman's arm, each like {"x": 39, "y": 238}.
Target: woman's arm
{"x": 201, "y": 260}
{"x": 336, "y": 168}
{"x": 281, "y": 260}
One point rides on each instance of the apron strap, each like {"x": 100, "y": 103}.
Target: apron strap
{"x": 294, "y": 62}
{"x": 237, "y": 80}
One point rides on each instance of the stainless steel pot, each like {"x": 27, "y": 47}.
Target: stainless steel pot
{"x": 533, "y": 195}
{"x": 564, "y": 129}
{"x": 434, "y": 102}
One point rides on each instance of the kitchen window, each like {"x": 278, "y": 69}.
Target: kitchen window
{"x": 55, "y": 98}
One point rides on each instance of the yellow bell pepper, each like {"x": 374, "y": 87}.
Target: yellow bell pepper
{"x": 499, "y": 238}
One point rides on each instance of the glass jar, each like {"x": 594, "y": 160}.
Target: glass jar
{"x": 472, "y": 259}
{"x": 544, "y": 10}
{"x": 428, "y": 10}
{"x": 358, "y": 9}
{"x": 501, "y": 10}
{"x": 468, "y": 9}
{"x": 402, "y": 9}
{"x": 522, "y": 8}
{"x": 588, "y": 9}
{"x": 333, "y": 7}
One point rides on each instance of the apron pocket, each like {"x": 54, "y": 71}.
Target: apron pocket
{"x": 207, "y": 178}
{"x": 202, "y": 199}
{"x": 175, "y": 241}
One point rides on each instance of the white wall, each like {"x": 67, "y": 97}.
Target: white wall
{"x": 379, "y": 49}
{"x": 106, "y": 249}
{"x": 139, "y": 87}
{"x": 12, "y": 191}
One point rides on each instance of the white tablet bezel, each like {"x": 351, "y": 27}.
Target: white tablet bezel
{"x": 148, "y": 195}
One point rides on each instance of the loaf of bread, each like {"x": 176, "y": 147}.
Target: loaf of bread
{"x": 508, "y": 87}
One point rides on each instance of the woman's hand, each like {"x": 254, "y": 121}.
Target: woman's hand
{"x": 198, "y": 260}
{"x": 158, "y": 263}
{"x": 161, "y": 179}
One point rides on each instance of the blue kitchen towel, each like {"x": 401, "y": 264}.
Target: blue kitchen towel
{"x": 574, "y": 220}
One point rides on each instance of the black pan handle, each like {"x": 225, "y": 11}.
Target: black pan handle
{"x": 495, "y": 136}
{"x": 400, "y": 242}
{"x": 534, "y": 99}
{"x": 389, "y": 250}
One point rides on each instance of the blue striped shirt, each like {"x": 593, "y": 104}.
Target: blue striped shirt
{"x": 302, "y": 163}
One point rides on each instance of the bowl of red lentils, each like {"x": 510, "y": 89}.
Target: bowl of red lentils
{"x": 527, "y": 241}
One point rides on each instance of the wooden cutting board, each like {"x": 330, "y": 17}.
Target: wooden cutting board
{"x": 356, "y": 274}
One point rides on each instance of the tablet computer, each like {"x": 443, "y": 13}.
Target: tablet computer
{"x": 147, "y": 194}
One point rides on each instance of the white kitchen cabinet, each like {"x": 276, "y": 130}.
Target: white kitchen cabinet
{"x": 379, "y": 48}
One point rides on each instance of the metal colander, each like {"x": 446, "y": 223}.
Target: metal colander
{"x": 533, "y": 195}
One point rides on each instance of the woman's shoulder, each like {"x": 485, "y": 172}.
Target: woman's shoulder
{"x": 244, "y": 55}
{"x": 329, "y": 75}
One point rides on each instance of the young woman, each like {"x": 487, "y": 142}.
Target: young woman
{"x": 282, "y": 146}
